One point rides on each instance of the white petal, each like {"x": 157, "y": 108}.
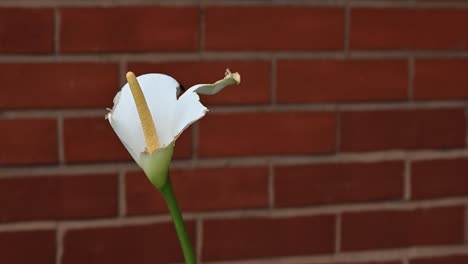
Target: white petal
{"x": 160, "y": 94}
{"x": 189, "y": 109}
{"x": 126, "y": 124}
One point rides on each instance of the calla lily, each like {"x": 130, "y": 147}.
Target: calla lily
{"x": 148, "y": 118}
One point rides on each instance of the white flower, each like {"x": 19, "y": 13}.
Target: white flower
{"x": 148, "y": 120}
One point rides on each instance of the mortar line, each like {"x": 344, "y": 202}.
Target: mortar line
{"x": 121, "y": 194}
{"x": 60, "y": 140}
{"x": 466, "y": 223}
{"x": 407, "y": 180}
{"x": 234, "y": 162}
{"x": 199, "y": 240}
{"x": 338, "y": 233}
{"x": 308, "y": 3}
{"x": 271, "y": 186}
{"x": 466, "y": 123}
{"x": 228, "y": 3}
{"x": 195, "y": 131}
{"x": 92, "y": 4}
{"x": 279, "y": 213}
{"x": 313, "y": 107}
{"x": 374, "y": 256}
{"x": 405, "y": 54}
{"x": 59, "y": 238}
{"x": 56, "y": 40}
{"x": 41, "y": 113}
{"x": 336, "y": 3}
{"x": 66, "y": 170}
{"x": 122, "y": 72}
{"x": 411, "y": 71}
{"x": 201, "y": 28}
{"x": 347, "y": 30}
{"x": 409, "y": 4}
{"x": 273, "y": 78}
{"x": 331, "y": 107}
{"x": 156, "y": 57}
{"x": 28, "y": 226}
{"x": 338, "y": 131}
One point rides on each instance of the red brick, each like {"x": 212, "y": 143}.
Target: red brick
{"x": 254, "y": 87}
{"x": 373, "y": 262}
{"x": 402, "y": 228}
{"x": 455, "y": 259}
{"x": 274, "y": 28}
{"x": 152, "y": 243}
{"x": 303, "y": 81}
{"x": 26, "y": 30}
{"x": 28, "y": 141}
{"x": 267, "y": 237}
{"x": 408, "y": 29}
{"x": 57, "y": 197}
{"x": 402, "y": 129}
{"x": 240, "y": 134}
{"x": 183, "y": 149}
{"x": 338, "y": 183}
{"x": 440, "y": 79}
{"x": 201, "y": 190}
{"x": 129, "y": 29}
{"x": 19, "y": 247}
{"x": 57, "y": 85}
{"x": 93, "y": 140}
{"x": 439, "y": 178}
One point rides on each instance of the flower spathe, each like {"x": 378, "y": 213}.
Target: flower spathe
{"x": 170, "y": 116}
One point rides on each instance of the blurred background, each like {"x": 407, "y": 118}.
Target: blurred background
{"x": 344, "y": 143}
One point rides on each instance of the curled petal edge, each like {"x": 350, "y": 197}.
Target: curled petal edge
{"x": 214, "y": 88}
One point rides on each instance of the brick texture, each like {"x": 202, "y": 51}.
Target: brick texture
{"x": 254, "y": 87}
{"x": 130, "y": 29}
{"x": 305, "y": 81}
{"x": 144, "y": 244}
{"x": 345, "y": 142}
{"x": 454, "y": 259}
{"x": 52, "y": 197}
{"x": 266, "y": 237}
{"x": 28, "y": 141}
{"x": 201, "y": 190}
{"x": 57, "y": 85}
{"x": 402, "y": 129}
{"x": 37, "y": 246}
{"x": 398, "y": 228}
{"x": 338, "y": 183}
{"x": 266, "y": 134}
{"x": 439, "y": 79}
{"x": 408, "y": 29}
{"x": 91, "y": 139}
{"x": 33, "y": 35}
{"x": 373, "y": 262}
{"x": 239, "y": 28}
{"x": 439, "y": 178}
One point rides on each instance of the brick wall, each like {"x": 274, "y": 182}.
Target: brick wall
{"x": 345, "y": 142}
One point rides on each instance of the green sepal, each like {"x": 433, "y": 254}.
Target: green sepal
{"x": 156, "y": 165}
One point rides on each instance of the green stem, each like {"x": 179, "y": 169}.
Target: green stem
{"x": 184, "y": 240}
